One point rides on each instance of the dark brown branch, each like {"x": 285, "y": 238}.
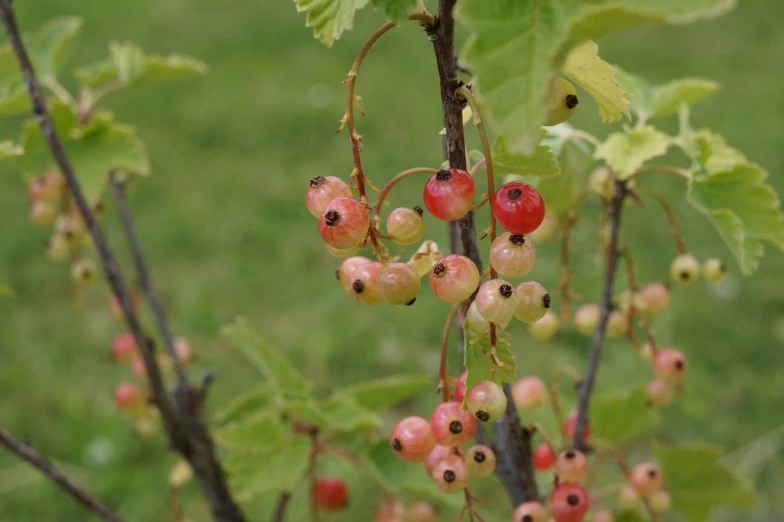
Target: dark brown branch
{"x": 515, "y": 466}
{"x": 34, "y": 458}
{"x": 280, "y": 510}
{"x": 586, "y": 387}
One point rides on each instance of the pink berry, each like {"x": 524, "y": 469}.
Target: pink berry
{"x": 451, "y": 425}
{"x": 586, "y": 318}
{"x": 345, "y": 273}
{"x": 480, "y": 461}
{"x": 124, "y": 347}
{"x": 412, "y": 439}
{"x": 646, "y": 478}
{"x": 533, "y": 301}
{"x": 476, "y": 323}
{"x": 437, "y": 453}
{"x": 568, "y": 503}
{"x": 405, "y": 226}
{"x": 530, "y": 512}
{"x": 450, "y": 474}
{"x": 543, "y": 457}
{"x": 330, "y": 494}
{"x": 42, "y": 213}
{"x": 486, "y": 401}
{"x": 49, "y": 187}
{"x": 398, "y": 284}
{"x": 460, "y": 387}
{"x": 391, "y": 511}
{"x": 323, "y": 190}
{"x": 659, "y": 392}
{"x": 138, "y": 368}
{"x": 496, "y": 301}
{"x": 570, "y": 424}
{"x": 421, "y": 512}
{"x": 344, "y": 223}
{"x": 364, "y": 287}
{"x": 571, "y": 466}
{"x": 656, "y": 297}
{"x": 669, "y": 364}
{"x": 128, "y": 396}
{"x": 512, "y": 255}
{"x": 518, "y": 207}
{"x": 529, "y": 393}
{"x": 449, "y": 194}
{"x": 454, "y": 278}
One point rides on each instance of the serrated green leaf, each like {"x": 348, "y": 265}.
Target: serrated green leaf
{"x": 620, "y": 417}
{"x": 329, "y": 18}
{"x": 575, "y": 159}
{"x": 384, "y": 393}
{"x": 248, "y": 403}
{"x": 597, "y": 77}
{"x": 479, "y": 363}
{"x": 48, "y": 48}
{"x": 343, "y": 414}
{"x": 745, "y": 210}
{"x": 698, "y": 482}
{"x": 541, "y": 163}
{"x": 272, "y": 364}
{"x": 9, "y": 149}
{"x": 261, "y": 429}
{"x": 626, "y": 152}
{"x": 669, "y": 97}
{"x": 397, "y": 10}
{"x": 640, "y": 91}
{"x": 14, "y": 99}
{"x": 710, "y": 150}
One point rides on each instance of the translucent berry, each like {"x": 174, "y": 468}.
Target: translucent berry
{"x": 602, "y": 183}
{"x": 364, "y": 287}
{"x": 323, "y": 190}
{"x": 603, "y": 515}
{"x": 646, "y": 478}
{"x": 530, "y": 512}
{"x": 533, "y": 301}
{"x": 454, "y": 278}
{"x": 561, "y": 101}
{"x": 656, "y": 297}
{"x": 714, "y": 270}
{"x": 628, "y": 498}
{"x": 421, "y": 512}
{"x": 183, "y": 350}
{"x": 138, "y": 368}
{"x": 346, "y": 270}
{"x": 518, "y": 207}
{"x": 342, "y": 253}
{"x": 450, "y": 474}
{"x": 586, "y": 318}
{"x": 124, "y": 347}
{"x": 685, "y": 269}
{"x": 480, "y": 461}
{"x": 330, "y": 494}
{"x": 669, "y": 364}
{"x": 659, "y": 392}
{"x": 617, "y": 325}
{"x": 83, "y": 271}
{"x": 486, "y": 401}
{"x": 547, "y": 229}
{"x": 529, "y": 393}
{"x": 437, "y": 453}
{"x": 571, "y": 466}
{"x": 116, "y": 309}
{"x": 496, "y": 301}
{"x": 646, "y": 352}
{"x": 411, "y": 439}
{"x": 405, "y": 226}
{"x": 568, "y": 503}
{"x": 660, "y": 501}
{"x": 476, "y": 323}
{"x": 398, "y": 284}
{"x": 543, "y": 457}
{"x": 449, "y": 194}
{"x": 391, "y": 511}
{"x": 451, "y": 425}
{"x": 42, "y": 213}
{"x": 58, "y": 248}
{"x": 570, "y": 424}
{"x": 128, "y": 397}
{"x": 460, "y": 387}
{"x": 545, "y": 328}
{"x": 71, "y": 226}
{"x": 512, "y": 256}
{"x": 49, "y": 187}
{"x": 344, "y": 223}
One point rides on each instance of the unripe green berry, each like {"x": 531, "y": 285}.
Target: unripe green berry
{"x": 561, "y": 102}
{"x": 545, "y": 328}
{"x": 685, "y": 269}
{"x": 714, "y": 270}
{"x": 405, "y": 226}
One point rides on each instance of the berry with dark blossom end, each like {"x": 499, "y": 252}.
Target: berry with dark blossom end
{"x": 405, "y": 226}
{"x": 128, "y": 397}
{"x": 344, "y": 223}
{"x": 530, "y": 512}
{"x": 330, "y": 494}
{"x": 570, "y": 424}
{"x": 571, "y": 466}
{"x": 669, "y": 364}
{"x": 451, "y": 425}
{"x": 568, "y": 503}
{"x": 685, "y": 269}
{"x": 714, "y": 270}
{"x": 561, "y": 101}
{"x": 545, "y": 328}
{"x": 659, "y": 393}
{"x": 512, "y": 256}
{"x": 460, "y": 387}
{"x": 322, "y": 191}
{"x": 496, "y": 301}
{"x": 586, "y": 318}
{"x": 518, "y": 207}
{"x": 364, "y": 286}
{"x": 646, "y": 478}
{"x": 398, "y": 284}
{"x": 411, "y": 439}
{"x": 529, "y": 393}
{"x": 449, "y": 194}
{"x": 486, "y": 401}
{"x": 454, "y": 278}
{"x": 480, "y": 461}
{"x": 533, "y": 301}
{"x": 83, "y": 271}
{"x": 437, "y": 453}
{"x": 124, "y": 347}
{"x": 345, "y": 273}
{"x": 543, "y": 457}
{"x": 450, "y": 474}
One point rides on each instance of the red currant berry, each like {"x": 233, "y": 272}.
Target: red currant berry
{"x": 438, "y": 453}
{"x": 451, "y": 425}
{"x": 659, "y": 392}
{"x": 480, "y": 461}
{"x": 421, "y": 512}
{"x": 656, "y": 298}
{"x": 646, "y": 478}
{"x": 571, "y": 466}
{"x": 669, "y": 364}
{"x": 568, "y": 503}
{"x": 486, "y": 401}
{"x": 545, "y": 328}
{"x": 323, "y": 190}
{"x": 330, "y": 494}
{"x": 512, "y": 256}
{"x": 128, "y": 397}
{"x": 530, "y": 512}
{"x": 411, "y": 439}
{"x": 124, "y": 347}
{"x": 543, "y": 457}
{"x": 449, "y": 194}
{"x": 344, "y": 223}
{"x": 586, "y": 318}
{"x": 364, "y": 287}
{"x": 398, "y": 284}
{"x": 533, "y": 301}
{"x": 570, "y": 424}
{"x": 454, "y": 278}
{"x": 450, "y": 474}
{"x": 496, "y": 301}
{"x": 529, "y": 393}
{"x": 345, "y": 273}
{"x": 42, "y": 213}
{"x": 405, "y": 226}
{"x": 518, "y": 207}
{"x": 138, "y": 368}
{"x": 460, "y": 387}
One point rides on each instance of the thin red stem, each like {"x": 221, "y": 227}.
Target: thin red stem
{"x": 392, "y": 182}
{"x": 672, "y": 219}
{"x": 442, "y": 376}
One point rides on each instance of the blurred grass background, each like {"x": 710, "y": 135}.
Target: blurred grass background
{"x": 225, "y": 230}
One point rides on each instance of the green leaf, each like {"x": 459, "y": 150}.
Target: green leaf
{"x": 249, "y": 403}
{"x": 575, "y": 160}
{"x": 397, "y": 10}
{"x": 639, "y": 90}
{"x": 343, "y": 414}
{"x": 9, "y": 149}
{"x": 48, "y": 48}
{"x": 620, "y": 417}
{"x": 95, "y": 150}
{"x": 626, "y": 152}
{"x": 541, "y": 163}
{"x": 597, "y": 77}
{"x": 14, "y": 99}
{"x": 745, "y": 210}
{"x": 698, "y": 482}
{"x": 479, "y": 363}
{"x": 710, "y": 150}
{"x": 262, "y": 429}
{"x": 272, "y": 364}
{"x": 381, "y": 394}
{"x": 329, "y": 18}
{"x": 669, "y": 97}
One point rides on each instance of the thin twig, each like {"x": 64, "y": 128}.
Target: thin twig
{"x": 31, "y": 456}
{"x": 280, "y": 510}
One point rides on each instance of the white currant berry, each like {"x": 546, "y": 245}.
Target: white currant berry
{"x": 345, "y": 273}
{"x": 660, "y": 501}
{"x": 486, "y": 401}
{"x": 646, "y": 352}
{"x": 83, "y": 271}
{"x": 476, "y": 323}
{"x": 324, "y": 189}
{"x": 533, "y": 301}
{"x": 628, "y": 498}
{"x": 58, "y": 248}
{"x": 512, "y": 255}
{"x": 42, "y": 213}
{"x": 546, "y": 230}
{"x": 344, "y": 223}
{"x": 601, "y": 182}
{"x": 669, "y": 364}
{"x": 529, "y": 393}
{"x": 545, "y": 328}
{"x": 405, "y": 226}
{"x": 398, "y": 284}
{"x": 561, "y": 101}
{"x": 656, "y": 297}
{"x": 496, "y": 301}
{"x": 586, "y": 318}
{"x": 646, "y": 478}
{"x": 454, "y": 278}
{"x": 685, "y": 269}
{"x": 450, "y": 474}
{"x": 617, "y": 325}
{"x": 659, "y": 392}
{"x": 480, "y": 461}
{"x": 364, "y": 286}
{"x": 714, "y": 270}
{"x": 342, "y": 253}
{"x": 530, "y": 512}
{"x": 571, "y": 466}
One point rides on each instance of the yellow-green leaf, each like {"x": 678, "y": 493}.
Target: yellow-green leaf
{"x": 626, "y": 152}
{"x": 249, "y": 403}
{"x": 397, "y": 10}
{"x": 710, "y": 150}
{"x": 14, "y": 98}
{"x": 329, "y": 18}
{"x": 541, "y": 162}
{"x": 9, "y": 149}
{"x": 383, "y": 393}
{"x": 669, "y": 97}
{"x": 48, "y": 47}
{"x": 479, "y": 363}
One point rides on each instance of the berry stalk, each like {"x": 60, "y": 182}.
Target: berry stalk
{"x": 392, "y": 182}
{"x": 672, "y": 219}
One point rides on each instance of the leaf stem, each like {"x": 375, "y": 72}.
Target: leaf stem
{"x": 566, "y": 274}
{"x": 627, "y": 471}
{"x": 672, "y": 219}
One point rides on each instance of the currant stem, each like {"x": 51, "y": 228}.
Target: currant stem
{"x": 566, "y": 274}
{"x": 631, "y": 282}
{"x": 442, "y": 376}
{"x": 627, "y": 471}
{"x": 392, "y": 182}
{"x": 475, "y": 168}
{"x": 541, "y": 431}
{"x": 675, "y": 229}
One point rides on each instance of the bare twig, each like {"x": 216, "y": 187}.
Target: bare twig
{"x": 28, "y": 454}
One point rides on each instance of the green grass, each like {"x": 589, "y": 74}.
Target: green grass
{"x": 225, "y": 230}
